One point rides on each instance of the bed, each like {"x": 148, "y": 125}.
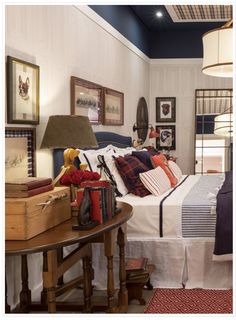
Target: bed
{"x": 182, "y": 253}
{"x": 174, "y": 240}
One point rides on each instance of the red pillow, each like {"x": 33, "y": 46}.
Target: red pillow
{"x": 161, "y": 161}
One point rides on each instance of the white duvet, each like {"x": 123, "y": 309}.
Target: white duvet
{"x": 145, "y": 219}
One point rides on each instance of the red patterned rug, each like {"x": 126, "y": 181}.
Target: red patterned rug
{"x": 190, "y": 301}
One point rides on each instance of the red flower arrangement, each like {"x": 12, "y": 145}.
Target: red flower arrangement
{"x": 77, "y": 176}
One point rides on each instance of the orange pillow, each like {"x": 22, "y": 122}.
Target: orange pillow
{"x": 161, "y": 161}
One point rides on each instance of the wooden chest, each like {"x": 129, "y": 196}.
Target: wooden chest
{"x": 27, "y": 217}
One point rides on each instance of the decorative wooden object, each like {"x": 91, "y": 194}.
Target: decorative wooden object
{"x": 28, "y": 217}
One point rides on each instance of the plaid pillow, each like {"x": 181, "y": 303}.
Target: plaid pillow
{"x": 129, "y": 168}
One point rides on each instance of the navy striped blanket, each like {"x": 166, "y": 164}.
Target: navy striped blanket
{"x": 198, "y": 208}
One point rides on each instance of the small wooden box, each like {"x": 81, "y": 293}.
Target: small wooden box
{"x": 27, "y": 217}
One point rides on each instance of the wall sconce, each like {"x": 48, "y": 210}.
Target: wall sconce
{"x": 152, "y": 134}
{"x": 218, "y": 51}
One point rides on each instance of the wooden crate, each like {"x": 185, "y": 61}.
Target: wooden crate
{"x": 26, "y": 218}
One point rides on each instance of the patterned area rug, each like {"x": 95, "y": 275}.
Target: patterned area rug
{"x": 190, "y": 301}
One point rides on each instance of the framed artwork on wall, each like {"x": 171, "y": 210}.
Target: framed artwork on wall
{"x": 19, "y": 153}
{"x": 113, "y": 107}
{"x": 166, "y": 140}
{"x": 22, "y": 92}
{"x": 86, "y": 99}
{"x": 165, "y": 109}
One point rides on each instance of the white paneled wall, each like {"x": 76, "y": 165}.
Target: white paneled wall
{"x": 63, "y": 41}
{"x": 180, "y": 78}
{"x": 73, "y": 40}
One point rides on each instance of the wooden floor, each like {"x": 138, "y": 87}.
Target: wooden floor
{"x": 134, "y": 306}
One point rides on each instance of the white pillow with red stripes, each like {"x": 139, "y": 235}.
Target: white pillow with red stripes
{"x": 156, "y": 181}
{"x": 175, "y": 169}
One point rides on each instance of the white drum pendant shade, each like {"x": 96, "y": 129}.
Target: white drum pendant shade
{"x": 224, "y": 125}
{"x": 218, "y": 52}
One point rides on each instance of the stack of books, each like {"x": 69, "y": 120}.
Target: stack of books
{"x": 27, "y": 187}
{"x": 136, "y": 264}
{"x": 102, "y": 197}
{"x": 136, "y": 270}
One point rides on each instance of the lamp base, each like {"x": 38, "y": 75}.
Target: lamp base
{"x": 87, "y": 226}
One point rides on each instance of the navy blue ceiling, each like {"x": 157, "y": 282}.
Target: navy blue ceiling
{"x": 157, "y": 38}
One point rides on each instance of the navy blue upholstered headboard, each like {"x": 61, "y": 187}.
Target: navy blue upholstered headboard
{"x": 104, "y": 138}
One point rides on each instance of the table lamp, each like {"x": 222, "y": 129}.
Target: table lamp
{"x": 68, "y": 132}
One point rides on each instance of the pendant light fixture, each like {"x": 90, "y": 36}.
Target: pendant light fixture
{"x": 218, "y": 51}
{"x": 223, "y": 123}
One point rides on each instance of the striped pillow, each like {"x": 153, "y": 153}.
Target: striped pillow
{"x": 156, "y": 181}
{"x": 175, "y": 169}
{"x": 161, "y": 161}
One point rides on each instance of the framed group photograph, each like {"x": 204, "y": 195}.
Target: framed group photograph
{"x": 22, "y": 92}
{"x": 86, "y": 99}
{"x": 19, "y": 153}
{"x": 113, "y": 107}
{"x": 166, "y": 140}
{"x": 165, "y": 109}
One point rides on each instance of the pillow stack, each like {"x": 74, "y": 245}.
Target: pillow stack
{"x": 138, "y": 172}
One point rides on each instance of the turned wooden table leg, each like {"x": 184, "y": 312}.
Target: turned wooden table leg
{"x": 25, "y": 294}
{"x": 44, "y": 291}
{"x": 108, "y": 248}
{"x": 123, "y": 292}
{"x": 7, "y": 307}
{"x": 60, "y": 280}
{"x": 50, "y": 279}
{"x": 91, "y": 274}
{"x": 87, "y": 285}
{"x": 51, "y": 300}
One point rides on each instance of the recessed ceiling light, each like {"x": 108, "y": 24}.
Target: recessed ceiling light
{"x": 159, "y": 14}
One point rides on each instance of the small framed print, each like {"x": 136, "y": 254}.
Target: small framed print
{"x": 19, "y": 153}
{"x": 113, "y": 107}
{"x": 165, "y": 109}
{"x": 166, "y": 140}
{"x": 22, "y": 92}
{"x": 86, "y": 99}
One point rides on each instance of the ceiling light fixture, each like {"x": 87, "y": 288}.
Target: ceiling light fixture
{"x": 159, "y": 14}
{"x": 218, "y": 51}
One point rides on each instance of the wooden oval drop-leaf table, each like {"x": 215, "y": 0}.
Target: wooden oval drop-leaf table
{"x": 62, "y": 235}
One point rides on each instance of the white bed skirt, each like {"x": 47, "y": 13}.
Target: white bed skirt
{"x": 178, "y": 262}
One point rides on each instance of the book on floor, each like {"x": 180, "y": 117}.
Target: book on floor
{"x": 136, "y": 264}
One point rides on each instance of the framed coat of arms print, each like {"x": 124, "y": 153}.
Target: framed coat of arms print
{"x": 165, "y": 110}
